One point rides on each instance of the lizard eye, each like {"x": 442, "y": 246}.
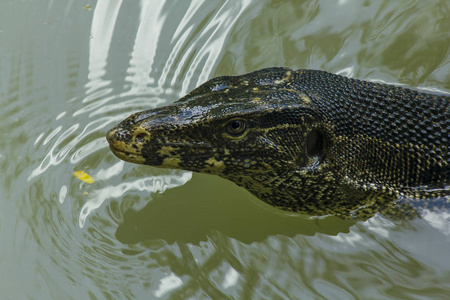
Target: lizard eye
{"x": 236, "y": 127}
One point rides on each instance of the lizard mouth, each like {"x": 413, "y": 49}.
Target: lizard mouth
{"x": 129, "y": 156}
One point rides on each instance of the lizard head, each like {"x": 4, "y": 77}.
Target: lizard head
{"x": 232, "y": 126}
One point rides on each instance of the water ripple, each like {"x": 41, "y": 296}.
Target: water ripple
{"x": 150, "y": 185}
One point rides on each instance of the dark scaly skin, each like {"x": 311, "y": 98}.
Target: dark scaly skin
{"x": 304, "y": 141}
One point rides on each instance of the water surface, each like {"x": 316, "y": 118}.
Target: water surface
{"x": 69, "y": 71}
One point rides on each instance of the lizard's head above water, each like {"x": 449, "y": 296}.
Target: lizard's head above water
{"x": 304, "y": 141}
{"x": 229, "y": 126}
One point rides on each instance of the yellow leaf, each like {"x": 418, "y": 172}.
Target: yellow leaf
{"x": 83, "y": 176}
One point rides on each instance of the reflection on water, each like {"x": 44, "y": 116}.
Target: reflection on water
{"x": 150, "y": 185}
{"x": 69, "y": 73}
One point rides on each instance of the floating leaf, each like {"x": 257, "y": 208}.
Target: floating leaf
{"x": 83, "y": 176}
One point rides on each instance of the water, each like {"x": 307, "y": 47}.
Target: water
{"x": 69, "y": 71}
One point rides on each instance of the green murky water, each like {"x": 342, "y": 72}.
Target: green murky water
{"x": 70, "y": 70}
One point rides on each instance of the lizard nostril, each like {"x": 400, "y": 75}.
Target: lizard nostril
{"x": 141, "y": 137}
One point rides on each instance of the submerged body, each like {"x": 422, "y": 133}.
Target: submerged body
{"x": 305, "y": 141}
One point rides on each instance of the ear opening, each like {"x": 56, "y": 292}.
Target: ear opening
{"x": 315, "y": 143}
